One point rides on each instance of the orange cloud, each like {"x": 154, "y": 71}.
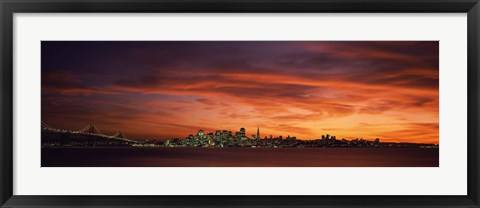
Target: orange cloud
{"x": 351, "y": 90}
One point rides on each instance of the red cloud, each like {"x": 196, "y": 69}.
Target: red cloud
{"x": 359, "y": 89}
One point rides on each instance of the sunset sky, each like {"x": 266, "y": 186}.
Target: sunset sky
{"x": 167, "y": 89}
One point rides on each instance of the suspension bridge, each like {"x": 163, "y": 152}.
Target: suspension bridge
{"x": 90, "y": 129}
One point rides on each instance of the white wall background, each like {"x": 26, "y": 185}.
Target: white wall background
{"x": 448, "y": 179}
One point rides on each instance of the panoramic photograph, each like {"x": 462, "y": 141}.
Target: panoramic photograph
{"x": 240, "y": 104}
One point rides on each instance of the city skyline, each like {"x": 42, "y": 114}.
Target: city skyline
{"x": 242, "y": 133}
{"x": 92, "y": 129}
{"x": 164, "y": 89}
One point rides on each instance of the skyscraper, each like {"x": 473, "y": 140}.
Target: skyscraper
{"x": 258, "y": 132}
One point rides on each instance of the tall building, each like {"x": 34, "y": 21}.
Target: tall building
{"x": 242, "y": 131}
{"x": 258, "y": 132}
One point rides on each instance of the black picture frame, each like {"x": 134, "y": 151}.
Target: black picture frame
{"x": 9, "y": 7}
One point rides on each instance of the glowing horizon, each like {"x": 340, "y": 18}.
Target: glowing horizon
{"x": 170, "y": 89}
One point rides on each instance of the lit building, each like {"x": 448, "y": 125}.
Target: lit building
{"x": 258, "y": 132}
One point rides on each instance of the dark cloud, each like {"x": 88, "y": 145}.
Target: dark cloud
{"x": 174, "y": 86}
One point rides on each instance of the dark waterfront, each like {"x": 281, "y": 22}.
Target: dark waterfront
{"x": 238, "y": 157}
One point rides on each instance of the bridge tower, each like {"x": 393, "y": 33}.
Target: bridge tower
{"x": 90, "y": 129}
{"x": 120, "y": 135}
